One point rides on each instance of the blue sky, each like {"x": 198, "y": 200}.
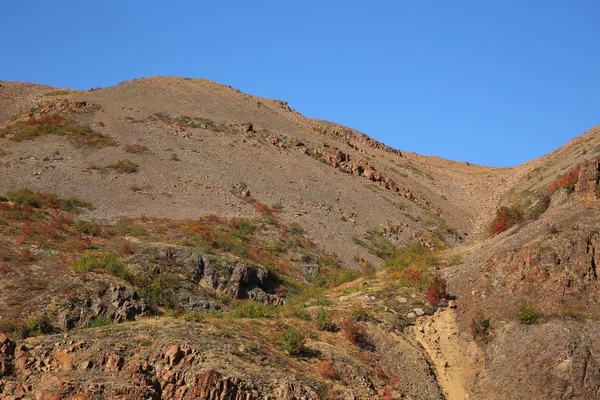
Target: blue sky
{"x": 489, "y": 82}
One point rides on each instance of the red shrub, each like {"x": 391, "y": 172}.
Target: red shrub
{"x": 87, "y": 242}
{"x": 127, "y": 249}
{"x": 566, "y": 181}
{"x": 327, "y": 370}
{"x": 353, "y": 331}
{"x": 505, "y": 218}
{"x": 263, "y": 208}
{"x": 26, "y": 255}
{"x": 213, "y": 218}
{"x": 436, "y": 291}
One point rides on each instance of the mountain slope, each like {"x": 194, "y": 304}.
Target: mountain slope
{"x": 253, "y": 224}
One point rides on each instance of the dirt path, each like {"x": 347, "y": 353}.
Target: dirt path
{"x": 453, "y": 358}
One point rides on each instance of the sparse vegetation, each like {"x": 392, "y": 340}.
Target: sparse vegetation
{"x": 324, "y": 321}
{"x": 527, "y": 314}
{"x": 327, "y": 370}
{"x": 293, "y": 340}
{"x": 56, "y": 124}
{"x": 566, "y": 181}
{"x": 38, "y": 325}
{"x": 251, "y": 309}
{"x": 125, "y": 167}
{"x": 102, "y": 261}
{"x": 99, "y": 322}
{"x": 136, "y": 149}
{"x": 481, "y": 327}
{"x": 353, "y": 331}
{"x": 506, "y": 217}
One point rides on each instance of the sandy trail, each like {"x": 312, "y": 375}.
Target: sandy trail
{"x": 453, "y": 358}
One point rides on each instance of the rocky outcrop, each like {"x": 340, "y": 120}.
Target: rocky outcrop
{"x": 172, "y": 372}
{"x": 589, "y": 177}
{"x": 7, "y": 352}
{"x": 51, "y": 107}
{"x": 354, "y": 138}
{"x": 119, "y": 303}
{"x": 234, "y": 278}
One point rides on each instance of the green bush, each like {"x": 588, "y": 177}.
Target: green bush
{"x": 193, "y": 316}
{"x": 251, "y": 309}
{"x": 39, "y": 324}
{"x": 24, "y": 196}
{"x": 156, "y": 290}
{"x": 416, "y": 255}
{"x": 293, "y": 340}
{"x": 324, "y": 322}
{"x": 98, "y": 322}
{"x": 103, "y": 261}
{"x": 527, "y": 314}
{"x": 301, "y": 313}
{"x": 321, "y": 302}
{"x": 129, "y": 228}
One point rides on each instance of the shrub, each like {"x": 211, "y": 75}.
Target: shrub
{"x": 566, "y": 181}
{"x": 193, "y": 316}
{"x": 125, "y": 167}
{"x": 417, "y": 256}
{"x": 324, "y": 322}
{"x": 301, "y": 313}
{"x": 56, "y": 124}
{"x": 321, "y": 302}
{"x": 103, "y": 261}
{"x": 39, "y": 324}
{"x": 24, "y": 196}
{"x": 156, "y": 290}
{"x": 353, "y": 331}
{"x": 527, "y": 314}
{"x": 327, "y": 370}
{"x": 293, "y": 340}
{"x": 127, "y": 227}
{"x": 480, "y": 327}
{"x": 98, "y": 322}
{"x": 251, "y": 309}
{"x": 136, "y": 149}
{"x": 436, "y": 291}
{"x": 84, "y": 226}
{"x": 505, "y": 218}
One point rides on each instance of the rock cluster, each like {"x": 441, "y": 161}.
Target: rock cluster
{"x": 353, "y": 138}
{"x": 119, "y": 303}
{"x": 236, "y": 279}
{"x": 50, "y": 107}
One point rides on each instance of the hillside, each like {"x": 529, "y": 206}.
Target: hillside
{"x": 176, "y": 238}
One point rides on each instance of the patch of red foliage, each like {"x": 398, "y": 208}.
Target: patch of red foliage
{"x": 327, "y": 370}
{"x": 436, "y": 291}
{"x": 353, "y": 331}
{"x": 566, "y": 181}
{"x": 505, "y": 218}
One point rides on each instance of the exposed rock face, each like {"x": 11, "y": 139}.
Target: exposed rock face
{"x": 7, "y": 352}
{"x": 119, "y": 303}
{"x": 353, "y": 138}
{"x": 237, "y": 279}
{"x": 49, "y": 107}
{"x": 170, "y": 373}
{"x": 589, "y": 177}
{"x": 562, "y": 362}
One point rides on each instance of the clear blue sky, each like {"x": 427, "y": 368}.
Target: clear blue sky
{"x": 490, "y": 82}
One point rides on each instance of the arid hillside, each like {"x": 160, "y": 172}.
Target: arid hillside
{"x": 176, "y": 238}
